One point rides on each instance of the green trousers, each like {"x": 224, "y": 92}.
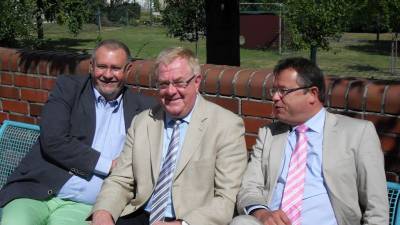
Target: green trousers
{"x": 55, "y": 211}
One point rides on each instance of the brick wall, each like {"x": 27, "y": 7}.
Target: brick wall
{"x": 26, "y": 77}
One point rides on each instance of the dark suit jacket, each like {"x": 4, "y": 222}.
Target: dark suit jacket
{"x": 67, "y": 129}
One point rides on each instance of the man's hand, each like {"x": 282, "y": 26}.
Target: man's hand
{"x": 175, "y": 222}
{"x": 102, "y": 217}
{"x": 277, "y": 217}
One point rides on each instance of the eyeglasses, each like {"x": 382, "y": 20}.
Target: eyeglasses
{"x": 285, "y": 91}
{"x": 114, "y": 69}
{"x": 177, "y": 84}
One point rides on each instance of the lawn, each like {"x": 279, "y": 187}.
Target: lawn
{"x": 355, "y": 55}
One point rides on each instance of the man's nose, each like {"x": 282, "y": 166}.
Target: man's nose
{"x": 276, "y": 97}
{"x": 171, "y": 89}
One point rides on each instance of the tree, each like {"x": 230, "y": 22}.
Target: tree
{"x": 312, "y": 23}
{"x": 185, "y": 19}
{"x": 394, "y": 15}
{"x": 15, "y": 21}
{"x": 73, "y": 13}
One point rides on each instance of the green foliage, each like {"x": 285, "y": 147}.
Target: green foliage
{"x": 15, "y": 21}
{"x": 184, "y": 19}
{"x": 73, "y": 13}
{"x": 122, "y": 12}
{"x": 314, "y": 23}
{"x": 394, "y": 15}
{"x": 371, "y": 16}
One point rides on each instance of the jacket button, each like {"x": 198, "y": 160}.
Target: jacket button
{"x": 50, "y": 192}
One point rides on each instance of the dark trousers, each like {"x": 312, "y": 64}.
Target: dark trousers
{"x": 139, "y": 217}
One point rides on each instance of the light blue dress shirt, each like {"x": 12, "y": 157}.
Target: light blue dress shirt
{"x": 167, "y": 139}
{"x": 317, "y": 207}
{"x": 108, "y": 140}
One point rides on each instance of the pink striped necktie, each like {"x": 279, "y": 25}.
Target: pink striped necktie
{"x": 292, "y": 200}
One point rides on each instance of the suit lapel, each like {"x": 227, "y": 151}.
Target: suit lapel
{"x": 275, "y": 160}
{"x": 329, "y": 153}
{"x": 155, "y": 135}
{"x": 130, "y": 107}
{"x": 194, "y": 134}
{"x": 89, "y": 110}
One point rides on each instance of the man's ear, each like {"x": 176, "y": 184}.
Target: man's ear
{"x": 128, "y": 67}
{"x": 314, "y": 91}
{"x": 91, "y": 66}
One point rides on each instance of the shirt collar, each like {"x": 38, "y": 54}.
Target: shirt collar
{"x": 316, "y": 123}
{"x": 100, "y": 99}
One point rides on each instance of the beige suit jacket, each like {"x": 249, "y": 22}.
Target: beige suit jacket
{"x": 353, "y": 170}
{"x": 208, "y": 173}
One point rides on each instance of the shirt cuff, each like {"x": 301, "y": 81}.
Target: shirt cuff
{"x": 249, "y": 209}
{"x": 103, "y": 166}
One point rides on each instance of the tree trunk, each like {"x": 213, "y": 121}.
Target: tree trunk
{"x": 313, "y": 54}
{"x": 378, "y": 27}
{"x": 39, "y": 19}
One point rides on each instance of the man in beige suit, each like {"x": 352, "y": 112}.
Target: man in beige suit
{"x": 183, "y": 160}
{"x": 341, "y": 180}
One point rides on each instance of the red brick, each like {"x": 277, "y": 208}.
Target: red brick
{"x": 257, "y": 84}
{"x": 13, "y": 61}
{"x": 210, "y": 80}
{"x": 6, "y": 78}
{"x": 133, "y": 73}
{"x": 149, "y": 92}
{"x": 389, "y": 143}
{"x": 392, "y": 100}
{"x": 27, "y": 66}
{"x": 261, "y": 109}
{"x": 24, "y": 119}
{"x": 227, "y": 103}
{"x": 83, "y": 67}
{"x": 355, "y": 95}
{"x": 144, "y": 73}
{"x": 3, "y": 116}
{"x": 384, "y": 124}
{"x": 27, "y": 81}
{"x": 252, "y": 125}
{"x": 392, "y": 176}
{"x": 374, "y": 97}
{"x": 250, "y": 141}
{"x": 42, "y": 67}
{"x": 47, "y": 83}
{"x": 35, "y": 109}
{"x": 9, "y": 92}
{"x": 15, "y": 106}
{"x": 241, "y": 82}
{"x": 225, "y": 82}
{"x": 338, "y": 93}
{"x": 34, "y": 95}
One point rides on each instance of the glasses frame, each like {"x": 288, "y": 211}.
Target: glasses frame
{"x": 282, "y": 92}
{"x": 178, "y": 84}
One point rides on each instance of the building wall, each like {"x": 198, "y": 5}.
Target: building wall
{"x": 26, "y": 78}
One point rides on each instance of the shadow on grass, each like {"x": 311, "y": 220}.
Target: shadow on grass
{"x": 66, "y": 44}
{"x": 362, "y": 68}
{"x": 382, "y": 47}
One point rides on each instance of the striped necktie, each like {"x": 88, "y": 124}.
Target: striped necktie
{"x": 164, "y": 182}
{"x": 292, "y": 200}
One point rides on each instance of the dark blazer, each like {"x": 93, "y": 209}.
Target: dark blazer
{"x": 67, "y": 129}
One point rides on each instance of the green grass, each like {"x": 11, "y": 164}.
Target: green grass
{"x": 355, "y": 55}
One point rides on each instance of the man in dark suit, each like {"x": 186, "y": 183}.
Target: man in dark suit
{"x": 83, "y": 128}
